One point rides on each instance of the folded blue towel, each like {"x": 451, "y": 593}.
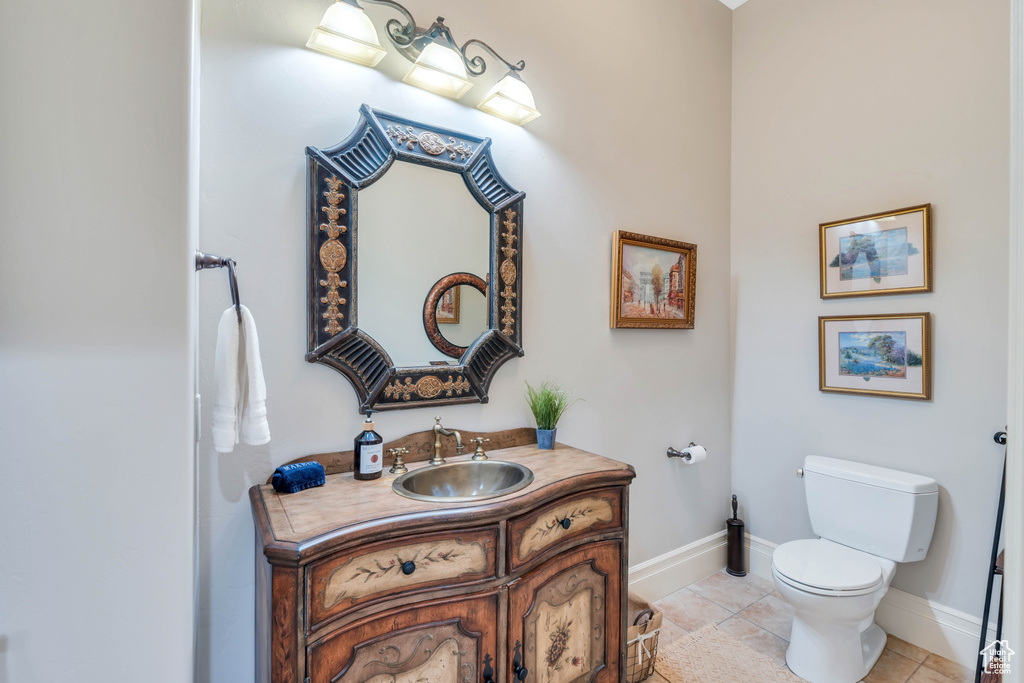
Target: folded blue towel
{"x": 297, "y": 477}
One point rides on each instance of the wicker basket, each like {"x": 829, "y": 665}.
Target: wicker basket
{"x": 641, "y": 638}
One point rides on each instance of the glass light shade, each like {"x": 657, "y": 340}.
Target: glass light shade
{"x": 440, "y": 70}
{"x": 510, "y": 99}
{"x": 346, "y": 32}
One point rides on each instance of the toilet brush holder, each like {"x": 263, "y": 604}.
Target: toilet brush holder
{"x": 736, "y": 556}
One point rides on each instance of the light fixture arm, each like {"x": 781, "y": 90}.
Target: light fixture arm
{"x": 404, "y": 35}
{"x": 401, "y": 34}
{"x": 477, "y": 65}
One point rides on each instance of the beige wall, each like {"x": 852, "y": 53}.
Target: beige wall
{"x": 619, "y": 146}
{"x": 844, "y": 108}
{"x": 96, "y": 342}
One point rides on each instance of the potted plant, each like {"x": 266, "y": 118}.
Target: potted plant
{"x": 548, "y": 403}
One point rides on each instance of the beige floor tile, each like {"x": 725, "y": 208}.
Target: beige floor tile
{"x": 904, "y": 648}
{"x": 670, "y": 632}
{"x": 772, "y": 614}
{"x": 891, "y": 668}
{"x": 949, "y": 669}
{"x": 732, "y": 592}
{"x": 926, "y": 675}
{"x": 756, "y": 638}
{"x": 766, "y": 586}
{"x": 691, "y": 611}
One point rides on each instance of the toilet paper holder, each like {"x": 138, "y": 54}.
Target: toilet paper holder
{"x": 673, "y": 453}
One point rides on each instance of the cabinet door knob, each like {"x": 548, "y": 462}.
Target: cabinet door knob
{"x": 566, "y": 523}
{"x": 408, "y": 567}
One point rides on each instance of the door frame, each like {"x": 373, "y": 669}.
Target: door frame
{"x": 1014, "y": 514}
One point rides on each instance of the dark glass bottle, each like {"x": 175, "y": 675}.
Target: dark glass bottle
{"x": 368, "y": 454}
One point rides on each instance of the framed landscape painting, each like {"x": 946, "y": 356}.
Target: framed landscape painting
{"x": 884, "y": 253}
{"x": 654, "y": 282}
{"x": 449, "y": 307}
{"x": 881, "y": 355}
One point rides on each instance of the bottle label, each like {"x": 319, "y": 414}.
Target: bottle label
{"x": 371, "y": 458}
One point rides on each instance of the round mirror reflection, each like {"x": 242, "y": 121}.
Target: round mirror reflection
{"x": 461, "y": 315}
{"x": 417, "y": 225}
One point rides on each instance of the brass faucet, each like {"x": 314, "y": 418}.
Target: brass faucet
{"x": 438, "y": 431}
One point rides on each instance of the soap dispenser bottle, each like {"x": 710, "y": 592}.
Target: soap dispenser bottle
{"x": 368, "y": 454}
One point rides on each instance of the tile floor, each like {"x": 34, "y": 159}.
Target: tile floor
{"x": 751, "y": 610}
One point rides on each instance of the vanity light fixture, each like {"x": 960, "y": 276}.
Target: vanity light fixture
{"x": 346, "y": 32}
{"x": 439, "y": 65}
{"x": 510, "y": 99}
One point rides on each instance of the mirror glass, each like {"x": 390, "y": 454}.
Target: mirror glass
{"x": 462, "y": 314}
{"x": 416, "y": 225}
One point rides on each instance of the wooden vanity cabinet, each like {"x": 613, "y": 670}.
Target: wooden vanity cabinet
{"x": 446, "y": 593}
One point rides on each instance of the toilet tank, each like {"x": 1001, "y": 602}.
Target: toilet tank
{"x": 884, "y": 512}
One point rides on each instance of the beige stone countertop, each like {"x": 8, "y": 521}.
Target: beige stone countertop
{"x": 297, "y": 525}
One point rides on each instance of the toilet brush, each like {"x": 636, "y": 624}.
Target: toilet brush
{"x": 736, "y": 563}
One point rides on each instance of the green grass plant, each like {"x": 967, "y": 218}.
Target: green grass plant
{"x": 548, "y": 403}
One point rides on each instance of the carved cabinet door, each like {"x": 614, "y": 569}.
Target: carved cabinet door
{"x": 567, "y": 615}
{"x": 442, "y": 641}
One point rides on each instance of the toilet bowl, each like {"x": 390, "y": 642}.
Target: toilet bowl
{"x": 867, "y": 520}
{"x": 834, "y": 591}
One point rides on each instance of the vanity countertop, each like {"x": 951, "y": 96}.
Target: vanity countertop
{"x": 298, "y": 526}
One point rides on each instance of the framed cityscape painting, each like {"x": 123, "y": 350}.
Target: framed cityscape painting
{"x": 879, "y": 355}
{"x": 449, "y": 307}
{"x": 654, "y": 282}
{"x": 884, "y": 253}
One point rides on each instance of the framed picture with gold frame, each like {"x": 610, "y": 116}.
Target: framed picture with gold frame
{"x": 654, "y": 282}
{"x": 882, "y": 253}
{"x": 876, "y": 355}
{"x": 449, "y": 308}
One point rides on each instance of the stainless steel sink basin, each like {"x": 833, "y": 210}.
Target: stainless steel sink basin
{"x": 463, "y": 482}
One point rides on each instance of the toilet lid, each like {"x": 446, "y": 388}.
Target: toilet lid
{"x": 823, "y": 564}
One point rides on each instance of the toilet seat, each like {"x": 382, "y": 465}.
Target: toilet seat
{"x": 825, "y": 568}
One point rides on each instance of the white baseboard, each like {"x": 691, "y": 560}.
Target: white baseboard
{"x": 759, "y": 557}
{"x": 665, "y": 574}
{"x": 937, "y": 628}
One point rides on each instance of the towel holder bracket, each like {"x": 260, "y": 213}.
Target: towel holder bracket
{"x": 204, "y": 261}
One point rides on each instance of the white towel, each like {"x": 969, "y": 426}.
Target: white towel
{"x": 255, "y": 428}
{"x": 240, "y": 409}
{"x": 226, "y": 373}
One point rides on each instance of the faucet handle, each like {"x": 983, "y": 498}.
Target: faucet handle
{"x": 479, "y": 454}
{"x": 398, "y": 467}
{"x": 437, "y": 420}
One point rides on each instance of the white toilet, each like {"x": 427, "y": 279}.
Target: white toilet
{"x": 868, "y": 519}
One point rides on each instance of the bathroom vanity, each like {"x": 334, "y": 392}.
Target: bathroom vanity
{"x": 355, "y": 583}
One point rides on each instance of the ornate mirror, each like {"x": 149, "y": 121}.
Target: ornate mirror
{"x": 432, "y": 269}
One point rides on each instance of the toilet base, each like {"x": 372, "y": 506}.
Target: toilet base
{"x": 828, "y": 652}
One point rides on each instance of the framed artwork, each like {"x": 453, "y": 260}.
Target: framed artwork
{"x": 876, "y": 355}
{"x": 654, "y": 282}
{"x": 448, "y": 307}
{"x": 884, "y": 253}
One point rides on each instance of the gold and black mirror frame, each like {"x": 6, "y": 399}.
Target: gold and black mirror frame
{"x": 335, "y": 176}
